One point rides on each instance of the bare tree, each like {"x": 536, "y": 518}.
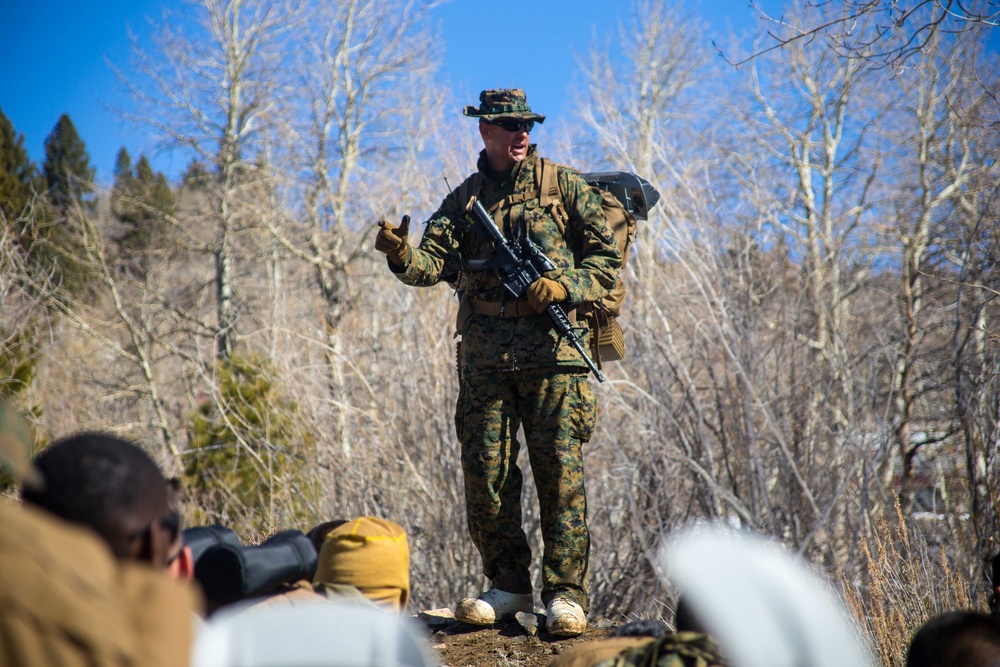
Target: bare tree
{"x": 26, "y": 293}
{"x": 938, "y": 95}
{"x": 360, "y": 63}
{"x": 636, "y": 118}
{"x": 798, "y": 255}
{"x": 212, "y": 94}
{"x": 967, "y": 260}
{"x": 137, "y": 346}
{"x": 900, "y": 30}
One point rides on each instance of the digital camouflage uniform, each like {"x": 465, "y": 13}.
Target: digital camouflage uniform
{"x": 515, "y": 371}
{"x": 681, "y": 649}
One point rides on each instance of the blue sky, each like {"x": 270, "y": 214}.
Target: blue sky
{"x": 55, "y": 57}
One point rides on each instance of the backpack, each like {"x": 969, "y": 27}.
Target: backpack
{"x": 625, "y": 198}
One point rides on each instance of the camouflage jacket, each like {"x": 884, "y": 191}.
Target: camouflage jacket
{"x": 586, "y": 257}
{"x": 681, "y": 649}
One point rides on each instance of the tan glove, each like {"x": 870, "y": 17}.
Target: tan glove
{"x": 543, "y": 291}
{"x": 392, "y": 241}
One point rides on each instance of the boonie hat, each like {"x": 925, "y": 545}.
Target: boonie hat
{"x": 503, "y": 103}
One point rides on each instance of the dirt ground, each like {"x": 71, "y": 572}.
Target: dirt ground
{"x": 509, "y": 644}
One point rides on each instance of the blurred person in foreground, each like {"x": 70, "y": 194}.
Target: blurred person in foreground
{"x": 762, "y": 604}
{"x": 112, "y": 487}
{"x": 332, "y": 633}
{"x": 515, "y": 370}
{"x": 956, "y": 639}
{"x": 67, "y": 595}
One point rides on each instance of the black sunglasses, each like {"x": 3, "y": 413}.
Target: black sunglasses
{"x": 513, "y": 125}
{"x": 171, "y": 523}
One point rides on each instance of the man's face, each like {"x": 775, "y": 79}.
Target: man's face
{"x": 155, "y": 531}
{"x": 505, "y": 147}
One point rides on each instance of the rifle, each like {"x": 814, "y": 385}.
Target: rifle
{"x": 518, "y": 266}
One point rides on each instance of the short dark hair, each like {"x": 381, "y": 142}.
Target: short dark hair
{"x": 318, "y": 533}
{"x": 100, "y": 481}
{"x": 965, "y": 638}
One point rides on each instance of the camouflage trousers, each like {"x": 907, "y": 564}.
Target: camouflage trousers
{"x": 557, "y": 410}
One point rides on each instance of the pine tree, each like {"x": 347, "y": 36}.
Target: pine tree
{"x": 124, "y": 176}
{"x": 196, "y": 176}
{"x": 123, "y": 190}
{"x": 67, "y": 165}
{"x": 161, "y": 197}
{"x": 142, "y": 200}
{"x": 51, "y": 247}
{"x": 252, "y": 449}
{"x": 18, "y": 174}
{"x": 19, "y": 348}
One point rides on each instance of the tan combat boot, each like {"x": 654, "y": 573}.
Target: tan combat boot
{"x": 492, "y": 606}
{"x": 565, "y": 618}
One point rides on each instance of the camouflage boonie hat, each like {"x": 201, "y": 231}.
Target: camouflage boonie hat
{"x": 503, "y": 103}
{"x": 15, "y": 447}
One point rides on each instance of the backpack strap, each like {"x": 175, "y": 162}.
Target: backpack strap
{"x": 549, "y": 194}
{"x": 470, "y": 187}
{"x": 510, "y": 200}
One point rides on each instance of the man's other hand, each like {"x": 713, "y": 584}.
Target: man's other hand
{"x": 543, "y": 291}
{"x": 392, "y": 241}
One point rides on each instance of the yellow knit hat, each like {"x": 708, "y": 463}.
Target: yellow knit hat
{"x": 372, "y": 555}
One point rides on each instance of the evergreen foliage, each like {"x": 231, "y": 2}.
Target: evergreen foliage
{"x": 19, "y": 340}
{"x": 246, "y": 455}
{"x": 67, "y": 169}
{"x": 195, "y": 176}
{"x": 18, "y": 361}
{"x": 123, "y": 172}
{"x": 18, "y": 174}
{"x": 52, "y": 251}
{"x": 142, "y": 200}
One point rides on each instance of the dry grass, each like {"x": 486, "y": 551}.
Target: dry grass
{"x": 903, "y": 583}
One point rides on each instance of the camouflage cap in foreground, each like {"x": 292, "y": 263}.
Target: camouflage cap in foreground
{"x": 503, "y": 103}
{"x": 15, "y": 446}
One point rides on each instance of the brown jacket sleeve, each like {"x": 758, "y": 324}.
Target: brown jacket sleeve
{"x": 65, "y": 601}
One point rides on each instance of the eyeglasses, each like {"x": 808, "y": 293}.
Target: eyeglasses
{"x": 171, "y": 523}
{"x": 513, "y": 125}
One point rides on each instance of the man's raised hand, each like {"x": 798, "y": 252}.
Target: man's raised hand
{"x": 392, "y": 241}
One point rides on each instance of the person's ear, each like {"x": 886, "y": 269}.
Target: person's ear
{"x": 484, "y": 130}
{"x": 183, "y": 566}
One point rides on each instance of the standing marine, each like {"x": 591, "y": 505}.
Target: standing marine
{"x": 514, "y": 369}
